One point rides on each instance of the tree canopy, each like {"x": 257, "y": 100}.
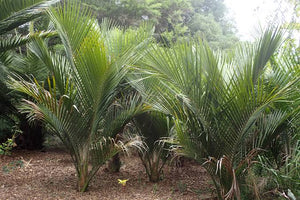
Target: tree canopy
{"x": 173, "y": 18}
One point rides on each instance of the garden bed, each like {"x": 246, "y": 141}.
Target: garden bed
{"x": 51, "y": 175}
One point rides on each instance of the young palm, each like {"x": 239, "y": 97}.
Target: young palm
{"x": 221, "y": 103}
{"x": 80, "y": 103}
{"x": 154, "y": 127}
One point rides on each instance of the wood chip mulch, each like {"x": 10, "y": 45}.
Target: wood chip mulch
{"x": 51, "y": 175}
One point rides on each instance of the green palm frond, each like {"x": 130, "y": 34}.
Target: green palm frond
{"x": 57, "y": 65}
{"x": 122, "y": 41}
{"x": 73, "y": 34}
{"x": 121, "y": 112}
{"x": 17, "y": 12}
{"x": 5, "y": 60}
{"x": 16, "y": 41}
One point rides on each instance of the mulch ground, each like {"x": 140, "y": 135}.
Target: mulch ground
{"x": 51, "y": 175}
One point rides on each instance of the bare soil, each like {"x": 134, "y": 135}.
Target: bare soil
{"x": 51, "y": 175}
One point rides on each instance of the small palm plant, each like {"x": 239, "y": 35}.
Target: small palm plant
{"x": 221, "y": 103}
{"x": 81, "y": 96}
{"x": 154, "y": 127}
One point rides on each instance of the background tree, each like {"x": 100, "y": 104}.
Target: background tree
{"x": 173, "y": 19}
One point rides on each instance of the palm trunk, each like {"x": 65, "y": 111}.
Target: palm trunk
{"x": 83, "y": 172}
{"x": 114, "y": 164}
{"x": 154, "y": 176}
{"x": 154, "y": 169}
{"x": 83, "y": 178}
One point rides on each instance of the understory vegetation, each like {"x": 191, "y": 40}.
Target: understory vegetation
{"x": 103, "y": 89}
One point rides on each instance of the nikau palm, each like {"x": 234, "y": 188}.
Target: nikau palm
{"x": 15, "y": 13}
{"x": 154, "y": 127}
{"x": 80, "y": 104}
{"x": 225, "y": 109}
{"x": 222, "y": 105}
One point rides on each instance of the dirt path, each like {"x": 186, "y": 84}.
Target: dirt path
{"x": 51, "y": 175}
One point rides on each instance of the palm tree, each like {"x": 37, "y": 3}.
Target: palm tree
{"x": 222, "y": 104}
{"x": 81, "y": 105}
{"x": 154, "y": 127}
{"x": 15, "y": 13}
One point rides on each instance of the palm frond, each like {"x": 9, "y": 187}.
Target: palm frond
{"x": 17, "y": 12}
{"x": 18, "y": 40}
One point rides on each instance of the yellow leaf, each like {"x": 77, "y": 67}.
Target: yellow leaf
{"x": 122, "y": 182}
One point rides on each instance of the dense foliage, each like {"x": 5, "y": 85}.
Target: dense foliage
{"x": 15, "y": 15}
{"x": 101, "y": 89}
{"x": 173, "y": 19}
